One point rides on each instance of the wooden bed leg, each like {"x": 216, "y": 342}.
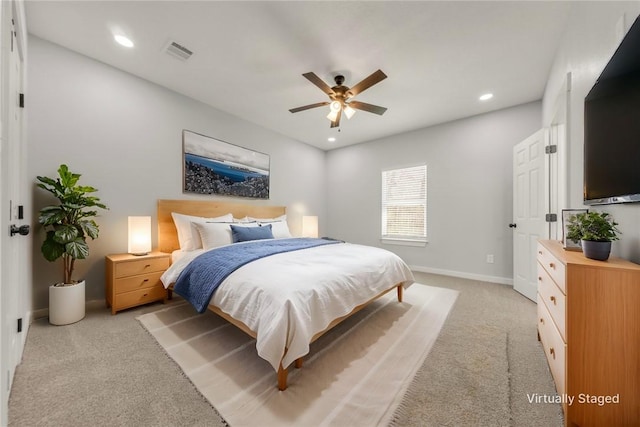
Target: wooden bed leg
{"x": 400, "y": 289}
{"x": 282, "y": 378}
{"x": 299, "y": 362}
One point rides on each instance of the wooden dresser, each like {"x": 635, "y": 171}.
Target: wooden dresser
{"x": 589, "y": 326}
{"x": 134, "y": 280}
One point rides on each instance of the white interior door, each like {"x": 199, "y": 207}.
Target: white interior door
{"x": 14, "y": 250}
{"x": 557, "y": 162}
{"x": 529, "y": 223}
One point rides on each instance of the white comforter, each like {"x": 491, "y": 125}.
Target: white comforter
{"x": 289, "y": 297}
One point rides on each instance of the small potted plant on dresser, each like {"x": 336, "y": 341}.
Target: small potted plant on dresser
{"x": 595, "y": 231}
{"x": 68, "y": 224}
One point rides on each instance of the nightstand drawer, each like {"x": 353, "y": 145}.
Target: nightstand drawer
{"x": 139, "y": 297}
{"x": 141, "y": 266}
{"x": 134, "y": 280}
{"x": 141, "y": 281}
{"x": 554, "y": 267}
{"x": 553, "y": 298}
{"x": 553, "y": 345}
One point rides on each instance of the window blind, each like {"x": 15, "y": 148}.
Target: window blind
{"x": 404, "y": 203}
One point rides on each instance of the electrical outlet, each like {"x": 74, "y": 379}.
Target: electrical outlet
{"x": 490, "y": 258}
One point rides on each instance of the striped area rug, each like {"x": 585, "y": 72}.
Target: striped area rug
{"x": 355, "y": 375}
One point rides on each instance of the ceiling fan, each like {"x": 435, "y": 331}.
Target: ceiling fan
{"x": 342, "y": 97}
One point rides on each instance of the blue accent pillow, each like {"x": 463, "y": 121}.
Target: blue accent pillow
{"x": 244, "y": 234}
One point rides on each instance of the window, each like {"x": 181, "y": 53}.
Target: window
{"x": 404, "y": 205}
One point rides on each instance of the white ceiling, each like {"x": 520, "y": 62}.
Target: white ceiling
{"x": 249, "y": 57}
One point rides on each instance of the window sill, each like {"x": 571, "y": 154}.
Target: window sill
{"x": 403, "y": 242}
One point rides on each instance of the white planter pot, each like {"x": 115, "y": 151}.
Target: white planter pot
{"x": 66, "y": 303}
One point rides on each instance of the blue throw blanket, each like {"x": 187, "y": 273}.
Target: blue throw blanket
{"x": 202, "y": 276}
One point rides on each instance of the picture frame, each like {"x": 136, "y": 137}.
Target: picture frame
{"x": 568, "y": 244}
{"x": 212, "y": 166}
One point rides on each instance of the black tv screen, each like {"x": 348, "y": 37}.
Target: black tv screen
{"x": 612, "y": 128}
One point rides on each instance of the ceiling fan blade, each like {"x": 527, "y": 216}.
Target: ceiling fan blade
{"x": 336, "y": 122}
{"x": 307, "y": 107}
{"x": 374, "y": 78}
{"x": 375, "y": 109}
{"x": 318, "y": 82}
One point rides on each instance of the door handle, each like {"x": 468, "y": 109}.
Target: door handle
{"x": 513, "y": 225}
{"x": 23, "y": 230}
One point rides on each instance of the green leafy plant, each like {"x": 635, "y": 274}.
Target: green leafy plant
{"x": 593, "y": 226}
{"x": 69, "y": 223}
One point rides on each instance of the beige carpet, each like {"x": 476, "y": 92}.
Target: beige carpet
{"x": 355, "y": 375}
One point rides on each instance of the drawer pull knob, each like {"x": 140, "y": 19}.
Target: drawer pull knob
{"x": 146, "y": 280}
{"x": 147, "y": 266}
{"x": 552, "y": 352}
{"x": 552, "y": 265}
{"x": 145, "y": 295}
{"x": 553, "y": 299}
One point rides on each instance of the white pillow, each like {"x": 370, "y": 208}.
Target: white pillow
{"x": 247, "y": 224}
{"x": 267, "y": 220}
{"x": 214, "y": 234}
{"x": 241, "y": 220}
{"x": 279, "y": 226}
{"x": 188, "y": 236}
{"x": 280, "y": 229}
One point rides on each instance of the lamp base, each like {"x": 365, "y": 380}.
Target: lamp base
{"x": 140, "y": 254}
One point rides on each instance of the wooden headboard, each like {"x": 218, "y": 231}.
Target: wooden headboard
{"x": 167, "y": 233}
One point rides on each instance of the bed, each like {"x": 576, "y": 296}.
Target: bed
{"x": 286, "y": 300}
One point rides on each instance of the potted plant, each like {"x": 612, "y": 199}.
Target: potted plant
{"x": 595, "y": 231}
{"x": 68, "y": 224}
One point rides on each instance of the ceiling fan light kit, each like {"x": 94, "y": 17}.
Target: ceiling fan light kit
{"x": 342, "y": 97}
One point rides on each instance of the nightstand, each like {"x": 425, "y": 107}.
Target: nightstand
{"x": 135, "y": 280}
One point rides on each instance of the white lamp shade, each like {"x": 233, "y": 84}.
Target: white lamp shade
{"x": 309, "y": 226}
{"x": 139, "y": 235}
{"x": 349, "y": 112}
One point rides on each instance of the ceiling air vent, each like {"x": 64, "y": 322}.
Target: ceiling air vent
{"x": 178, "y": 51}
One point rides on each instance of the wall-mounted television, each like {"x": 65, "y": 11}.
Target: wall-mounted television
{"x": 612, "y": 128}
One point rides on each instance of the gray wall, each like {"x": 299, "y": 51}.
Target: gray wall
{"x": 123, "y": 134}
{"x": 592, "y": 35}
{"x": 469, "y": 185}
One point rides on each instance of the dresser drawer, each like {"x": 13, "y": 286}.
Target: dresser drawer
{"x": 554, "y": 267}
{"x": 141, "y": 266}
{"x": 553, "y": 298}
{"x": 133, "y": 283}
{"x": 139, "y": 297}
{"x": 553, "y": 345}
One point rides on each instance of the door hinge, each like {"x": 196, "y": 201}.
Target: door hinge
{"x": 21, "y": 100}
{"x": 551, "y": 217}
{"x": 550, "y": 149}
{"x": 20, "y": 325}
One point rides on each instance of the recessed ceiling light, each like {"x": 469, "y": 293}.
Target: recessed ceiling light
{"x": 331, "y": 139}
{"x": 486, "y": 97}
{"x": 124, "y": 41}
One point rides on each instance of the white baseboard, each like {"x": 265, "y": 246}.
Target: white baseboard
{"x": 463, "y": 275}
{"x": 40, "y": 313}
{"x": 44, "y": 312}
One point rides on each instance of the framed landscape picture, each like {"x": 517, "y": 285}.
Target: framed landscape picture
{"x": 566, "y": 243}
{"x": 211, "y": 166}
